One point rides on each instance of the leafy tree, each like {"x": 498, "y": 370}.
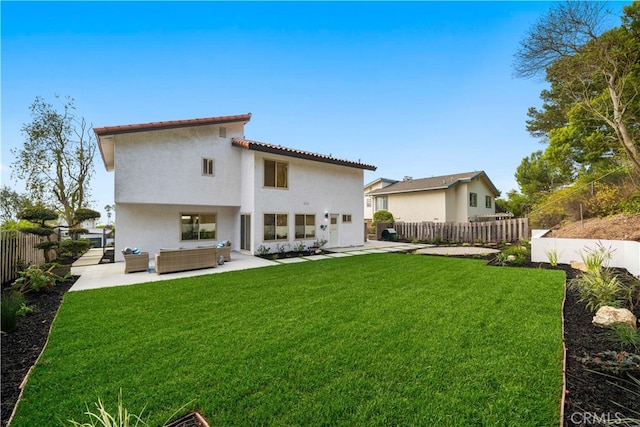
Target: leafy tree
{"x": 108, "y": 209}
{"x": 56, "y": 159}
{"x": 39, "y": 216}
{"x": 592, "y": 111}
{"x": 516, "y": 203}
{"x": 10, "y": 204}
{"x": 538, "y": 175}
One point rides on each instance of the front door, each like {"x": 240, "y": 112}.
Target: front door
{"x": 334, "y": 232}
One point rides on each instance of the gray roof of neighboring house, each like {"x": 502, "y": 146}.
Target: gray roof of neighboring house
{"x": 375, "y": 181}
{"x": 434, "y": 183}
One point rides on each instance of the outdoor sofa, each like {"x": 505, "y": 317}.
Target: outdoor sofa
{"x": 172, "y": 260}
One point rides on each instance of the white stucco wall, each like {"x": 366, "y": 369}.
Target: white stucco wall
{"x": 150, "y": 227}
{"x": 624, "y": 253}
{"x": 314, "y": 188}
{"x": 158, "y": 177}
{"x": 166, "y": 166}
{"x": 418, "y": 206}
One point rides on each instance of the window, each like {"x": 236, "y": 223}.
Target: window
{"x": 223, "y": 132}
{"x": 381, "y": 203}
{"x": 276, "y": 174}
{"x": 276, "y": 227}
{"x": 487, "y": 201}
{"x": 198, "y": 226}
{"x": 368, "y": 202}
{"x": 346, "y": 218}
{"x": 305, "y": 226}
{"x": 208, "y": 167}
{"x": 473, "y": 199}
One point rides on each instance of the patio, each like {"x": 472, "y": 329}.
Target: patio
{"x": 94, "y": 275}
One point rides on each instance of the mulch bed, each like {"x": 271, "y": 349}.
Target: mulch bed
{"x": 21, "y": 348}
{"x": 591, "y": 396}
{"x": 588, "y": 394}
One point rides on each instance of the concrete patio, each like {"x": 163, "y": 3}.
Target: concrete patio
{"x": 94, "y": 275}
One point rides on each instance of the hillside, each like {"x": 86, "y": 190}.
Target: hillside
{"x": 617, "y": 227}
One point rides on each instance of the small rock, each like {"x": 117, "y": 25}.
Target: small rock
{"x": 609, "y": 316}
{"x": 511, "y": 258}
{"x": 578, "y": 265}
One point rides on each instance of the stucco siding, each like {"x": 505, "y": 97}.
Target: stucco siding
{"x": 150, "y": 227}
{"x": 313, "y": 189}
{"x": 166, "y": 166}
{"x": 479, "y": 187}
{"x": 418, "y": 206}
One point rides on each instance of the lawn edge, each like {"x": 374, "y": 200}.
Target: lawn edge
{"x": 564, "y": 358}
{"x": 23, "y": 384}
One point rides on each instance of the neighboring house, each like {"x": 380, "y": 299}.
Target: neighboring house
{"x": 461, "y": 197}
{"x": 369, "y": 205}
{"x": 191, "y": 183}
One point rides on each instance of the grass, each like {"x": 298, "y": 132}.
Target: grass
{"x": 382, "y": 339}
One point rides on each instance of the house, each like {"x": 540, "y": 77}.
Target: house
{"x": 369, "y": 206}
{"x": 190, "y": 183}
{"x": 461, "y": 197}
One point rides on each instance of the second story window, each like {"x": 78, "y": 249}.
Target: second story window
{"x": 381, "y": 203}
{"x": 276, "y": 174}
{"x": 473, "y": 199}
{"x": 487, "y": 201}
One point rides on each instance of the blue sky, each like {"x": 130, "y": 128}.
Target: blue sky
{"x": 417, "y": 88}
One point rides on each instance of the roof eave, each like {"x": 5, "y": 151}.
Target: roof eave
{"x": 174, "y": 124}
{"x": 273, "y": 149}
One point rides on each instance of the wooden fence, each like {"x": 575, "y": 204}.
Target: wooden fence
{"x": 17, "y": 250}
{"x": 509, "y": 230}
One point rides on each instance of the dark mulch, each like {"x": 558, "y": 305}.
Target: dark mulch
{"x": 21, "y": 348}
{"x": 588, "y": 395}
{"x": 591, "y": 394}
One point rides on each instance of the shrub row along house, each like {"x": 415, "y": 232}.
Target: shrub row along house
{"x": 461, "y": 197}
{"x": 191, "y": 183}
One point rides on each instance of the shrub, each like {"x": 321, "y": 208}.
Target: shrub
{"x": 552, "y": 256}
{"x": 598, "y": 289}
{"x": 613, "y": 362}
{"x": 263, "y": 250}
{"x": 102, "y": 417}
{"x": 600, "y": 286}
{"x": 299, "y": 247}
{"x": 382, "y": 216}
{"x": 597, "y": 258}
{"x": 34, "y": 279}
{"x": 11, "y": 304}
{"x": 625, "y": 335}
{"x": 73, "y": 248}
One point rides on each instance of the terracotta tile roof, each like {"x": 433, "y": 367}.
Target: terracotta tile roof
{"x": 141, "y": 127}
{"x": 290, "y": 152}
{"x": 434, "y": 183}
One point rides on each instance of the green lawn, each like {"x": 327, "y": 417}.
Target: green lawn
{"x": 384, "y": 339}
